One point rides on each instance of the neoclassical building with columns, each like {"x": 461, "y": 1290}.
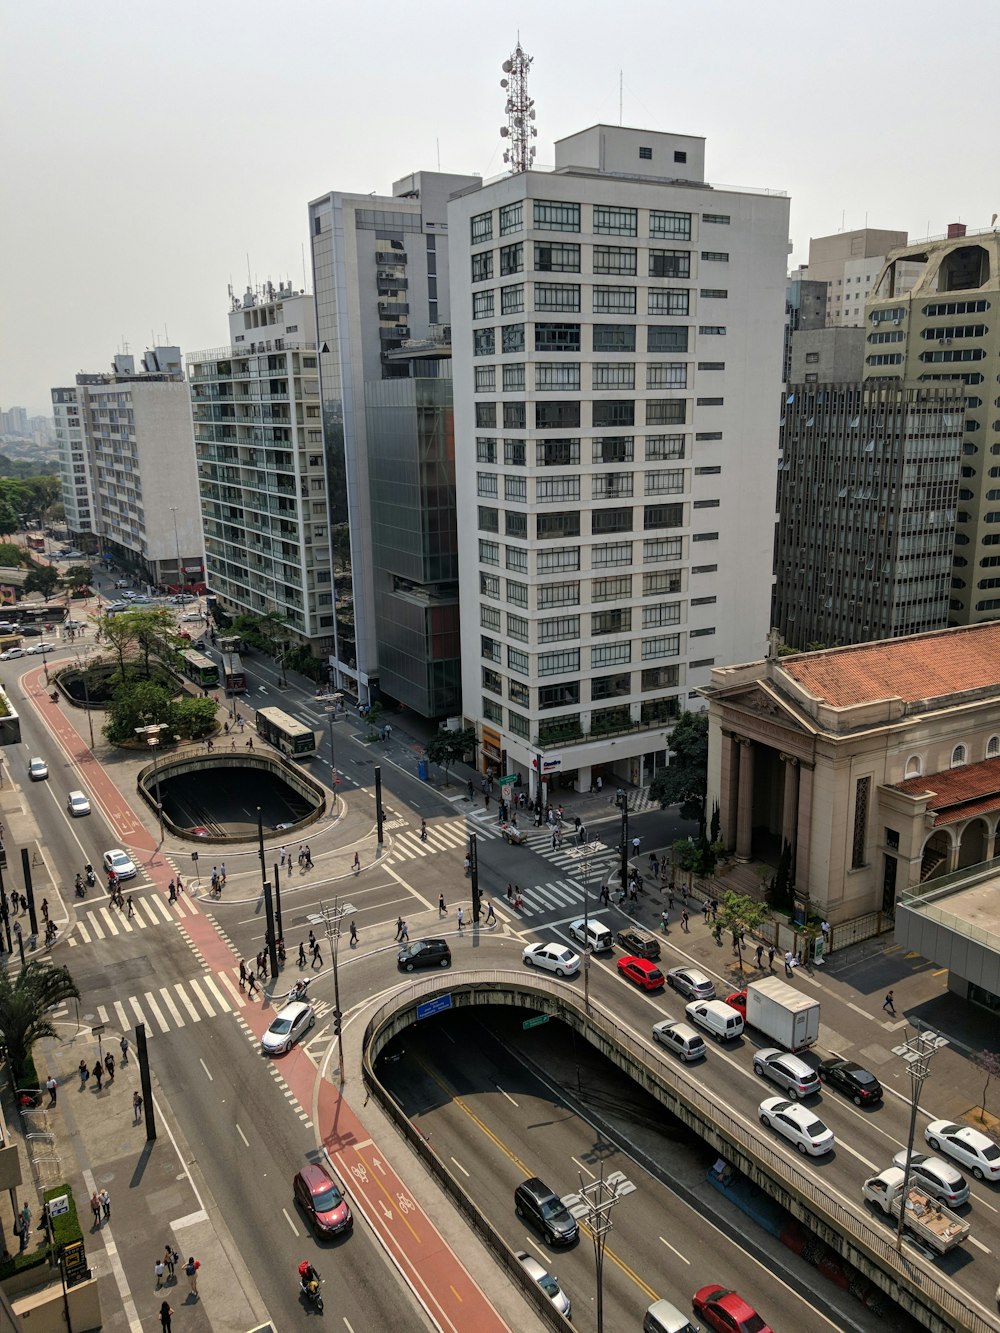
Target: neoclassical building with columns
{"x": 878, "y": 764}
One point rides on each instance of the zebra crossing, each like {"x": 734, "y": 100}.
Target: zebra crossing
{"x": 567, "y": 858}
{"x": 102, "y": 921}
{"x": 170, "y": 1008}
{"x": 444, "y": 836}
{"x": 555, "y": 895}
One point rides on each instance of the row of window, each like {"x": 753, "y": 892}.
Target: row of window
{"x": 567, "y": 661}
{"x": 614, "y": 449}
{"x": 566, "y": 376}
{"x": 566, "y": 257}
{"x": 605, "y": 219}
{"x": 566, "y": 523}
{"x": 603, "y": 555}
{"x": 567, "y": 337}
{"x": 607, "y": 486}
{"x": 566, "y": 297}
{"x": 567, "y": 415}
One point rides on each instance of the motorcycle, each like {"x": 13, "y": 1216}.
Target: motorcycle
{"x": 91, "y": 877}
{"x": 54, "y": 696}
{"x": 81, "y": 889}
{"x": 311, "y": 1286}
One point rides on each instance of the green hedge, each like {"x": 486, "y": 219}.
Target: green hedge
{"x": 19, "y": 1263}
{"x": 65, "y": 1227}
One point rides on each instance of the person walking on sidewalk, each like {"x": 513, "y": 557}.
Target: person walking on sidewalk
{"x": 83, "y": 1069}
{"x": 251, "y": 985}
{"x": 123, "y": 1046}
{"x": 243, "y": 973}
{"x": 136, "y": 1106}
{"x": 105, "y": 1199}
{"x": 354, "y": 935}
{"x": 399, "y": 927}
{"x": 191, "y": 1269}
{"x": 442, "y": 906}
{"x": 109, "y": 1065}
{"x": 684, "y": 920}
{"x": 317, "y": 956}
{"x": 169, "y": 1260}
{"x": 491, "y": 916}
{"x": 166, "y": 1311}
{"x": 95, "y": 1208}
{"x": 770, "y": 958}
{"x": 889, "y": 1003}
{"x": 461, "y": 919}
{"x": 98, "y": 1072}
{"x": 51, "y": 1087}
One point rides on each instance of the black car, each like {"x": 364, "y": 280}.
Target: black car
{"x": 535, "y": 1201}
{"x": 862, "y": 1087}
{"x": 425, "y": 953}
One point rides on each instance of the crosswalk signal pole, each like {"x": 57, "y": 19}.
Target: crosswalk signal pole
{"x": 378, "y": 804}
{"x": 624, "y": 801}
{"x": 477, "y": 904}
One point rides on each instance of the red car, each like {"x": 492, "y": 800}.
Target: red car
{"x": 724, "y": 1310}
{"x": 322, "y": 1202}
{"x": 738, "y": 1001}
{"x": 640, "y": 971}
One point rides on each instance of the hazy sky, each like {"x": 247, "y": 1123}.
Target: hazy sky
{"x": 150, "y": 148}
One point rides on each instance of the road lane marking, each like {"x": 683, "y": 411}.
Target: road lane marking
{"x": 181, "y": 995}
{"x": 202, "y": 998}
{"x": 461, "y": 1168}
{"x": 242, "y": 1135}
{"x": 295, "y": 1230}
{"x": 220, "y": 998}
{"x": 674, "y": 1250}
{"x": 168, "y": 1001}
{"x": 157, "y": 1012}
{"x": 206, "y": 1069}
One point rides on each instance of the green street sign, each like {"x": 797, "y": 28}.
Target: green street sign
{"x": 509, "y": 780}
{"x": 535, "y": 1022}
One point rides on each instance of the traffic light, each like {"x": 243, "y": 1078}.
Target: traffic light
{"x": 337, "y": 1016}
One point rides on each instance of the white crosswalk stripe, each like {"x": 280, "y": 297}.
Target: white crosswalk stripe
{"x": 171, "y": 1008}
{"x": 554, "y": 895}
{"x": 444, "y": 836}
{"x": 102, "y": 920}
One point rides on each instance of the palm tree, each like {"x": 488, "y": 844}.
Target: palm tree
{"x": 26, "y": 1000}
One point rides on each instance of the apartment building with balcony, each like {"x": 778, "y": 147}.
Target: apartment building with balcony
{"x": 261, "y": 466}
{"x": 74, "y": 463}
{"x": 617, "y": 343}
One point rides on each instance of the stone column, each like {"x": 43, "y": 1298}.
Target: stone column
{"x": 728, "y": 788}
{"x": 744, "y": 813}
{"x": 790, "y": 800}
{"x": 803, "y": 828}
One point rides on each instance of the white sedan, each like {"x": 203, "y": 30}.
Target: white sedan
{"x": 546, "y": 1281}
{"x": 77, "y": 804}
{"x": 120, "y": 862}
{"x": 287, "y": 1027}
{"x": 971, "y": 1147}
{"x": 43, "y": 647}
{"x": 797, "y": 1124}
{"x": 192, "y": 616}
{"x": 11, "y": 654}
{"x": 557, "y": 958}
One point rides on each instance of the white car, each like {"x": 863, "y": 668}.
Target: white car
{"x": 38, "y": 770}
{"x": 557, "y": 958}
{"x": 77, "y": 804}
{"x": 797, "y": 1124}
{"x": 287, "y": 1027}
{"x": 121, "y": 863}
{"x": 971, "y": 1147}
{"x": 939, "y": 1178}
{"x": 192, "y": 616}
{"x": 546, "y": 1281}
{"x": 43, "y": 647}
{"x": 10, "y": 654}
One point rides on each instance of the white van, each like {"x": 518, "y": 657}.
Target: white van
{"x": 662, "y": 1317}
{"x": 592, "y": 933}
{"x": 717, "y": 1018}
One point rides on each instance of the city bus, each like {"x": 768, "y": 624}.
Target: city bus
{"x": 199, "y": 668}
{"x": 285, "y": 733}
{"x": 230, "y": 643}
{"x": 233, "y": 676}
{"x": 35, "y": 543}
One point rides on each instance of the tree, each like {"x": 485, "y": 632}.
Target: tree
{"x": 448, "y": 747}
{"x": 78, "y": 576}
{"x": 27, "y": 998}
{"x": 988, "y": 1062}
{"x": 136, "y": 703}
{"x": 11, "y": 555}
{"x": 738, "y": 913}
{"x": 44, "y": 580}
{"x": 685, "y": 781}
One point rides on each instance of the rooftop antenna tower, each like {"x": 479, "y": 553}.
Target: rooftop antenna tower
{"x": 520, "y": 153}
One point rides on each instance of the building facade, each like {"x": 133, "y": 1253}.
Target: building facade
{"x": 261, "y": 465}
{"x": 867, "y": 496}
{"x": 380, "y": 275}
{"x": 617, "y": 341}
{"x": 805, "y": 308}
{"x": 74, "y": 463}
{"x": 943, "y": 329}
{"x": 849, "y": 263}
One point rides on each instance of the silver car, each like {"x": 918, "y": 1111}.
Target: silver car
{"x": 287, "y": 1027}
{"x": 939, "y": 1178}
{"x": 789, "y": 1072}
{"x": 546, "y": 1281}
{"x": 692, "y": 983}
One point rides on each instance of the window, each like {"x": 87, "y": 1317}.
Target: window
{"x": 517, "y": 691}
{"x": 714, "y": 293}
{"x": 862, "y": 790}
{"x": 610, "y": 654}
{"x": 668, "y": 225}
{"x": 612, "y": 375}
{"x": 564, "y": 661}
{"x": 489, "y": 519}
{"x": 557, "y": 257}
{"x": 556, "y": 416}
{"x": 486, "y": 483}
{"x": 611, "y": 553}
{"x": 512, "y": 299}
{"x": 489, "y": 617}
{"x": 665, "y": 482}
{"x": 558, "y": 594}
{"x": 553, "y": 490}
{"x": 614, "y": 338}
{"x": 519, "y": 725}
{"x": 959, "y": 756}
{"x": 517, "y": 660}
{"x": 489, "y": 585}
{"x": 511, "y": 258}
{"x": 884, "y": 359}
{"x": 492, "y": 680}
{"x": 614, "y": 588}
{"x": 680, "y": 155}
{"x": 614, "y": 300}
{"x": 514, "y": 453}
{"x": 720, "y": 219}
{"x": 701, "y": 633}
{"x": 514, "y": 416}
{"x": 614, "y": 412}
{"x": 667, "y": 338}
{"x": 563, "y": 558}
{"x": 709, "y": 402}
{"x": 483, "y": 342}
{"x": 617, "y": 621}
{"x": 993, "y": 747}
{"x": 610, "y": 687}
{"x": 557, "y": 375}
{"x": 611, "y": 520}
{"x": 955, "y": 331}
{"x": 559, "y": 696}
{"x": 555, "y": 628}
{"x": 551, "y": 526}
{"x": 557, "y": 453}
{"x": 489, "y": 552}
{"x": 517, "y": 593}
{"x": 661, "y": 615}
{"x": 552, "y": 216}
{"x": 708, "y": 435}
{"x": 645, "y": 154}
{"x": 660, "y": 678}
{"x": 703, "y": 601}
{"x": 612, "y": 221}
{"x": 615, "y": 259}
{"x": 665, "y": 411}
{"x": 486, "y": 379}
{"x": 513, "y": 379}
{"x": 708, "y": 471}
{"x": 660, "y": 581}
{"x": 511, "y": 218}
{"x": 486, "y": 449}
{"x": 669, "y": 301}
{"x": 663, "y": 516}
{"x": 665, "y": 645}
{"x": 482, "y": 228}
{"x": 516, "y": 559}
{"x": 557, "y": 337}
{"x": 512, "y": 338}
{"x": 486, "y": 416}
{"x": 614, "y": 449}
{"x": 482, "y": 305}
{"x": 666, "y": 375}
{"x": 664, "y": 448}
{"x": 558, "y": 296}
{"x": 712, "y": 330}
{"x": 490, "y": 649}
{"x": 711, "y": 365}
{"x": 482, "y": 266}
{"x": 715, "y": 256}
{"x": 515, "y": 489}
{"x": 670, "y": 263}
{"x": 956, "y": 308}
{"x": 705, "y": 537}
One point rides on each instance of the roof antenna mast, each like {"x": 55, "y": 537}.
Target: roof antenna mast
{"x": 520, "y": 153}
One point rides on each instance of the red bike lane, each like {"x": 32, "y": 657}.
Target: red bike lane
{"x": 433, "y": 1271}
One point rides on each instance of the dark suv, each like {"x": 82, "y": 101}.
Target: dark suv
{"x": 425, "y": 953}
{"x": 639, "y": 942}
{"x": 534, "y": 1200}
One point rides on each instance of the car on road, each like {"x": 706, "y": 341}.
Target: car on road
{"x": 77, "y": 804}
{"x": 546, "y": 1281}
{"x": 73, "y": 624}
{"x": 425, "y": 953}
{"x": 32, "y": 632}
{"x": 592, "y": 932}
{"x": 43, "y": 647}
{"x": 797, "y": 1124}
{"x": 9, "y": 654}
{"x": 192, "y": 615}
{"x": 681, "y": 1038}
{"x": 38, "y": 769}
{"x": 182, "y": 599}
{"x": 788, "y": 1071}
{"x": 692, "y": 983}
{"x": 287, "y": 1027}
{"x": 971, "y": 1147}
{"x": 557, "y": 958}
{"x": 939, "y": 1178}
{"x": 114, "y": 607}
{"x": 727, "y": 1312}
{"x": 120, "y": 862}
{"x": 641, "y": 972}
{"x": 852, "y": 1080}
{"x": 535, "y": 1201}
{"x": 322, "y": 1200}
{"x": 737, "y": 1000}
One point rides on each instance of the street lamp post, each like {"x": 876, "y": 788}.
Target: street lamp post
{"x": 585, "y": 856}
{"x": 152, "y": 734}
{"x": 177, "y": 547}
{"x": 330, "y": 918}
{"x": 83, "y": 664}
{"x": 593, "y": 1205}
{"x": 330, "y": 714}
{"x": 916, "y": 1052}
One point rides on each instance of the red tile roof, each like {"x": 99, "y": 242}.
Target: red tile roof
{"x": 959, "y": 793}
{"x": 921, "y": 666}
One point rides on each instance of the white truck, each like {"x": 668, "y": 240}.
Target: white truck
{"x": 782, "y": 1013}
{"x": 929, "y": 1220}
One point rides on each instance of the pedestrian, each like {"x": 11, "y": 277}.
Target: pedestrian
{"x": 165, "y": 1312}
{"x": 770, "y": 958}
{"x": 215, "y": 880}
{"x": 130, "y": 906}
{"x": 309, "y": 858}
{"x": 789, "y": 963}
{"x": 889, "y": 1004}
{"x": 243, "y": 973}
{"x": 468, "y": 867}
{"x": 98, "y": 1072}
{"x": 461, "y": 918}
{"x": 760, "y": 954}
{"x": 684, "y": 920}
{"x": 302, "y": 856}
{"x": 665, "y": 921}
{"x": 123, "y": 1047}
{"x": 95, "y": 1208}
{"x": 491, "y": 916}
{"x": 191, "y": 1269}
{"x": 262, "y": 969}
{"x": 169, "y": 1260}
{"x": 715, "y": 908}
{"x": 222, "y": 874}
{"x": 109, "y": 1065}
{"x": 136, "y": 1106}
{"x": 45, "y": 909}
{"x": 84, "y": 1071}
{"x": 706, "y": 908}
{"x": 357, "y": 864}
{"x": 635, "y": 846}
{"x": 510, "y": 892}
{"x": 24, "y": 901}
{"x": 442, "y": 908}
{"x": 283, "y": 855}
{"x": 404, "y": 933}
{"x": 51, "y": 1085}
{"x": 260, "y": 962}
{"x": 399, "y": 927}
{"x": 159, "y": 1268}
{"x": 354, "y": 935}
{"x": 317, "y": 956}
{"x": 251, "y": 983}
{"x": 302, "y": 954}
{"x": 105, "y": 1199}
{"x": 250, "y": 743}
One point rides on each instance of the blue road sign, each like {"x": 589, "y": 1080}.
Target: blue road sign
{"x": 435, "y": 1006}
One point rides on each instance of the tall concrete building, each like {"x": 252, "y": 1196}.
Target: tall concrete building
{"x": 261, "y": 467}
{"x": 805, "y": 308}
{"x": 128, "y": 467}
{"x": 617, "y": 344}
{"x": 941, "y": 328}
{"x": 867, "y": 494}
{"x": 380, "y": 275}
{"x": 848, "y": 263}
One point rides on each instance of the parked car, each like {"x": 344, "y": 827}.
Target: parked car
{"x": 969, "y": 1146}
{"x": 38, "y": 769}
{"x": 322, "y": 1201}
{"x": 557, "y": 958}
{"x": 546, "y": 1281}
{"x": 9, "y": 654}
{"x": 681, "y": 1038}
{"x": 939, "y": 1178}
{"x": 641, "y": 972}
{"x": 692, "y": 983}
{"x": 797, "y": 1124}
{"x": 789, "y": 1072}
{"x": 425, "y": 953}
{"x": 541, "y": 1206}
{"x": 862, "y": 1087}
{"x": 43, "y": 647}
{"x": 287, "y": 1026}
{"x": 77, "y": 804}
{"x": 727, "y": 1312}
